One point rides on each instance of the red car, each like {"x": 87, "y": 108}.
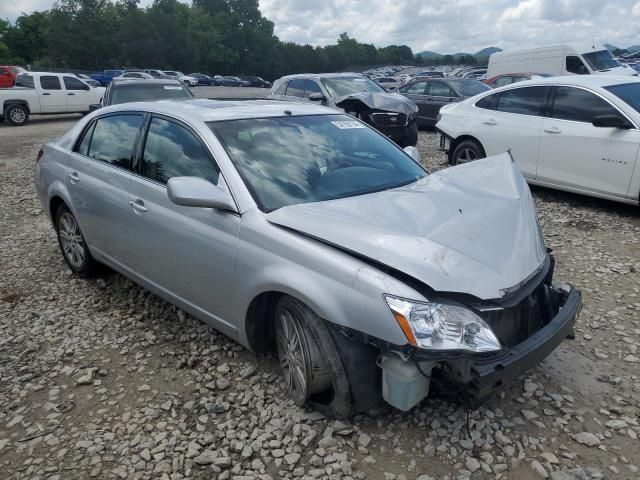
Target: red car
{"x": 8, "y": 75}
{"x": 509, "y": 78}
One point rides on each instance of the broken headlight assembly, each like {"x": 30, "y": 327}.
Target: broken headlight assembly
{"x": 442, "y": 326}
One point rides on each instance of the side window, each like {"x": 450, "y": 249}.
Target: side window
{"x": 50, "y": 83}
{"x": 579, "y": 105}
{"x": 295, "y": 88}
{"x": 172, "y": 151}
{"x": 439, "y": 89}
{"x": 72, "y": 83}
{"x": 281, "y": 89}
{"x": 114, "y": 139}
{"x": 525, "y": 101}
{"x": 490, "y": 102}
{"x": 575, "y": 65}
{"x": 311, "y": 87}
{"x": 83, "y": 147}
{"x": 415, "y": 88}
{"x": 502, "y": 81}
{"x": 24, "y": 81}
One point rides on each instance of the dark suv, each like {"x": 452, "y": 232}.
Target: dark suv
{"x": 390, "y": 113}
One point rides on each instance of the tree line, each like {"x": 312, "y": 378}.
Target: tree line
{"x": 226, "y": 37}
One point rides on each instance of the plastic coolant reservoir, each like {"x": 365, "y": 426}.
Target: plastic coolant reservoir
{"x": 403, "y": 385}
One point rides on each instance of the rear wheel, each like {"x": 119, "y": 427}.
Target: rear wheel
{"x": 310, "y": 362}
{"x": 467, "y": 151}
{"x": 72, "y": 244}
{"x": 16, "y": 115}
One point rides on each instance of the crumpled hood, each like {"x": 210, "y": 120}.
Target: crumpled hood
{"x": 468, "y": 229}
{"x": 390, "y": 102}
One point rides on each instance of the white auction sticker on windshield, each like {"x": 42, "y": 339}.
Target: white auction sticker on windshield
{"x": 347, "y": 124}
{"x": 171, "y": 87}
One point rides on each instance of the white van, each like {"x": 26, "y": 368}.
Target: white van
{"x": 558, "y": 60}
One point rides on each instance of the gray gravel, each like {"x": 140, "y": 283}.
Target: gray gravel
{"x": 101, "y": 379}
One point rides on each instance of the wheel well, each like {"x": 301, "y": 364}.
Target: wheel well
{"x": 8, "y": 103}
{"x": 259, "y": 321}
{"x": 53, "y": 207}
{"x": 459, "y": 140}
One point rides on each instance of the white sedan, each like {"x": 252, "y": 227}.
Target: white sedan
{"x": 186, "y": 79}
{"x": 577, "y": 133}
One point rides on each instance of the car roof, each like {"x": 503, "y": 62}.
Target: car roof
{"x": 145, "y": 81}
{"x": 580, "y": 80}
{"x": 322, "y": 75}
{"x": 215, "y": 110}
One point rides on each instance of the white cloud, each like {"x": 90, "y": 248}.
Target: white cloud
{"x": 444, "y": 26}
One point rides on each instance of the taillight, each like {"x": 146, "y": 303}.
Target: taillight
{"x": 39, "y": 156}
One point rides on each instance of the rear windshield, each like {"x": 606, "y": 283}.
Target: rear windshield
{"x": 628, "y": 92}
{"x": 24, "y": 81}
{"x": 144, "y": 93}
{"x": 601, "y": 60}
{"x": 339, "y": 87}
{"x": 470, "y": 88}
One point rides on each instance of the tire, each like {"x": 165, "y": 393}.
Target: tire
{"x": 467, "y": 151}
{"x": 16, "y": 115}
{"x": 311, "y": 364}
{"x": 73, "y": 245}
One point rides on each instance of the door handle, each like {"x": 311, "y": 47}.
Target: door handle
{"x": 138, "y": 205}
{"x": 73, "y": 177}
{"x": 490, "y": 122}
{"x": 552, "y": 130}
{"x": 70, "y": 93}
{"x": 45, "y": 93}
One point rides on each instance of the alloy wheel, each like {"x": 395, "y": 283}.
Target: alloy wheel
{"x": 71, "y": 240}
{"x": 467, "y": 155}
{"x": 293, "y": 355}
{"x": 17, "y": 115}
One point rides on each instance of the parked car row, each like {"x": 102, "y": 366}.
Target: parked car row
{"x": 192, "y": 80}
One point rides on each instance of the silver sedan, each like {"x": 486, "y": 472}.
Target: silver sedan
{"x": 296, "y": 229}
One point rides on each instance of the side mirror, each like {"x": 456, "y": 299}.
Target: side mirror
{"x": 611, "y": 121}
{"x": 317, "y": 97}
{"x": 413, "y": 152}
{"x": 95, "y": 106}
{"x": 198, "y": 192}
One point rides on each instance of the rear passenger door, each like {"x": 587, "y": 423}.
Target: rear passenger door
{"x": 53, "y": 99}
{"x": 98, "y": 177}
{"x": 185, "y": 253}
{"x": 512, "y": 120}
{"x": 575, "y": 154}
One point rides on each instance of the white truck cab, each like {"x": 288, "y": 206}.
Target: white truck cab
{"x": 558, "y": 60}
{"x": 41, "y": 93}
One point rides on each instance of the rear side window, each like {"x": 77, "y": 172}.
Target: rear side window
{"x": 415, "y": 88}
{"x": 579, "y": 105}
{"x": 575, "y": 65}
{"x": 72, "y": 83}
{"x": 490, "y": 102}
{"x": 173, "y": 151}
{"x": 114, "y": 139}
{"x": 525, "y": 101}
{"x": 281, "y": 89}
{"x": 311, "y": 87}
{"x": 83, "y": 147}
{"x": 439, "y": 89}
{"x": 295, "y": 88}
{"x": 50, "y": 83}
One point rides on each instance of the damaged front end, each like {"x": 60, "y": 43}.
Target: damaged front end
{"x": 391, "y": 114}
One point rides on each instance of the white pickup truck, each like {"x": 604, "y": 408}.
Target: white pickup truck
{"x": 43, "y": 93}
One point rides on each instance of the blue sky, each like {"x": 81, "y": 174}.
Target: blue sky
{"x": 446, "y": 26}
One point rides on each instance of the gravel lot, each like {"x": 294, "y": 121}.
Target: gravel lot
{"x": 101, "y": 379}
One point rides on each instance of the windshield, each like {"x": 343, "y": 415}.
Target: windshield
{"x": 628, "y": 92}
{"x": 144, "y": 93}
{"x": 339, "y": 87}
{"x": 601, "y": 60}
{"x": 293, "y": 160}
{"x": 470, "y": 88}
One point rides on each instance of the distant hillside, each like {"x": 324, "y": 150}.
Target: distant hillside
{"x": 610, "y": 47}
{"x": 486, "y": 52}
{"x": 633, "y": 48}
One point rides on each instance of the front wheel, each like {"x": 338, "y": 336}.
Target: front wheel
{"x": 16, "y": 115}
{"x": 467, "y": 151}
{"x": 310, "y": 362}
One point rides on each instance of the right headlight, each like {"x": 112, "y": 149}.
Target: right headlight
{"x": 442, "y": 326}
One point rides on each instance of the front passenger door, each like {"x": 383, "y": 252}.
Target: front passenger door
{"x": 438, "y": 94}
{"x": 185, "y": 254}
{"x": 416, "y": 92}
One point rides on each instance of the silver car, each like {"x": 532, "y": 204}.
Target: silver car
{"x": 297, "y": 229}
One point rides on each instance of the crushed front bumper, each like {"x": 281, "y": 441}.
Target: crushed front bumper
{"x": 489, "y": 374}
